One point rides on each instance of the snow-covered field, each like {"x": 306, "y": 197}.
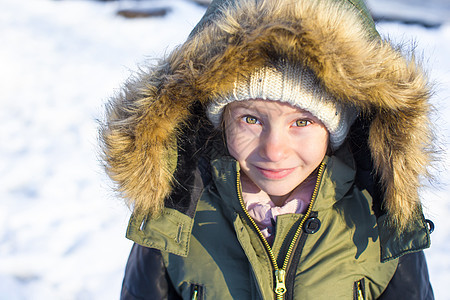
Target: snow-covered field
{"x": 61, "y": 227}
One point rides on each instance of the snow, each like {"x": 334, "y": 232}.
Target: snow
{"x": 429, "y": 12}
{"x": 433, "y": 45}
{"x": 61, "y": 226}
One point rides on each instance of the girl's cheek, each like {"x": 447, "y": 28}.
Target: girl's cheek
{"x": 231, "y": 128}
{"x": 250, "y": 129}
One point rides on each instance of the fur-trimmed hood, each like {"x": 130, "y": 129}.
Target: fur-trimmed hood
{"x": 337, "y": 40}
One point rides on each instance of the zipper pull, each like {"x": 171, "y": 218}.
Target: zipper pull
{"x": 194, "y": 295}
{"x": 360, "y": 294}
{"x": 280, "y": 287}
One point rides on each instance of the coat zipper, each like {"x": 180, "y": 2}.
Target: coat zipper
{"x": 359, "y": 293}
{"x": 197, "y": 292}
{"x": 280, "y": 273}
{"x": 194, "y": 295}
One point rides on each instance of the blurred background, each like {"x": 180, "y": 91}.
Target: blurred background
{"x": 62, "y": 227}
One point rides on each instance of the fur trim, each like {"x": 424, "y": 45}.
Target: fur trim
{"x": 331, "y": 39}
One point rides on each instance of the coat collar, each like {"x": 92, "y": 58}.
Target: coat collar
{"x": 337, "y": 180}
{"x": 171, "y": 232}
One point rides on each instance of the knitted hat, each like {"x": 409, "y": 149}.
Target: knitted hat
{"x": 295, "y": 85}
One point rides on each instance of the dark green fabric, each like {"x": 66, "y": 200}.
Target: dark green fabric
{"x": 393, "y": 245}
{"x": 366, "y": 16}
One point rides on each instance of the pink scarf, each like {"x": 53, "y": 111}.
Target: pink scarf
{"x": 263, "y": 210}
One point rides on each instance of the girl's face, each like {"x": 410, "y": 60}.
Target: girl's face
{"x": 277, "y": 145}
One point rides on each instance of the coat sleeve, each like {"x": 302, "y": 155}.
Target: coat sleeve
{"x": 146, "y": 276}
{"x": 410, "y": 280}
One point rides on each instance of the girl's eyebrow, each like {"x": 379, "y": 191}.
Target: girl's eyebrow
{"x": 242, "y": 104}
{"x": 247, "y": 107}
{"x": 301, "y": 113}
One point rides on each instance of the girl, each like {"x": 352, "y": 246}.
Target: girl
{"x": 277, "y": 153}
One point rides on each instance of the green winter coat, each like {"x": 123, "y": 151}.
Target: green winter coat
{"x": 156, "y": 144}
{"x": 338, "y": 253}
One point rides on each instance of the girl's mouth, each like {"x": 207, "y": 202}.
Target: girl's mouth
{"x": 275, "y": 174}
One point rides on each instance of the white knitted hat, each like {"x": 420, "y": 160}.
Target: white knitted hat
{"x": 295, "y": 85}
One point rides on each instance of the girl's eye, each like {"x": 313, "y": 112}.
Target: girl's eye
{"x": 302, "y": 123}
{"x": 250, "y": 120}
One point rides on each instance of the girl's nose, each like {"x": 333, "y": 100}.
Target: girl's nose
{"x": 273, "y": 146}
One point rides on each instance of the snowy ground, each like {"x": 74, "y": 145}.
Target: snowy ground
{"x": 428, "y": 12}
{"x": 61, "y": 227}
